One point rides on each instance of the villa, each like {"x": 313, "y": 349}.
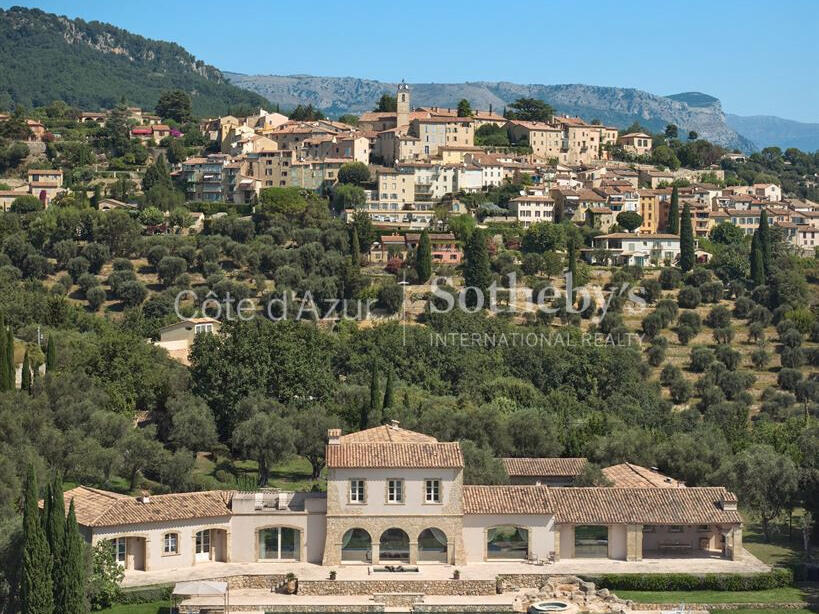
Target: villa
{"x": 396, "y": 496}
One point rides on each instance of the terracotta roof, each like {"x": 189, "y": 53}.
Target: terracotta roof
{"x": 537, "y": 467}
{"x": 631, "y": 235}
{"x": 387, "y": 434}
{"x": 100, "y": 508}
{"x": 394, "y": 455}
{"x": 643, "y": 505}
{"x": 507, "y": 500}
{"x": 626, "y": 475}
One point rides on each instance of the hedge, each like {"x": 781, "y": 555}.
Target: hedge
{"x": 148, "y": 594}
{"x": 775, "y": 578}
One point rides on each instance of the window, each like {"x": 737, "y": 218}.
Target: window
{"x": 170, "y": 543}
{"x": 203, "y": 328}
{"x": 433, "y": 491}
{"x": 279, "y": 543}
{"x": 119, "y": 550}
{"x": 395, "y": 491}
{"x": 357, "y": 491}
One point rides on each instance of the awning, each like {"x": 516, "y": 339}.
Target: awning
{"x": 201, "y": 587}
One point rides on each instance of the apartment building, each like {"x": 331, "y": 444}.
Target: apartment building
{"x": 533, "y": 209}
{"x": 637, "y": 143}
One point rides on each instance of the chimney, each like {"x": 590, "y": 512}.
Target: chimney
{"x": 728, "y": 501}
{"x": 334, "y": 437}
{"x": 144, "y": 497}
{"x": 394, "y": 424}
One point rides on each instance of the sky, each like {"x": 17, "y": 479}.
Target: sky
{"x": 758, "y": 57}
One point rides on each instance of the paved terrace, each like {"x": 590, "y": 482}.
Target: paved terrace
{"x": 473, "y": 571}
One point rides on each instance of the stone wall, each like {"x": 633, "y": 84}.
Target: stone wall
{"x": 370, "y": 587}
{"x": 511, "y": 582}
{"x": 263, "y": 581}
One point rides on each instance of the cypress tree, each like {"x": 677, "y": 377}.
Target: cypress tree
{"x": 765, "y": 240}
{"x": 54, "y": 522}
{"x": 389, "y": 393}
{"x": 375, "y": 389}
{"x": 71, "y": 598}
{"x": 51, "y": 354}
{"x": 12, "y": 367}
{"x": 36, "y": 596}
{"x": 4, "y": 370}
{"x": 355, "y": 248}
{"x": 572, "y": 259}
{"x": 674, "y": 212}
{"x": 26, "y": 374}
{"x": 476, "y": 270}
{"x": 686, "y": 240}
{"x": 757, "y": 262}
{"x": 423, "y": 258}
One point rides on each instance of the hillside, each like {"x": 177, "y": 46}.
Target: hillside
{"x": 768, "y": 131}
{"x": 92, "y": 65}
{"x": 611, "y": 105}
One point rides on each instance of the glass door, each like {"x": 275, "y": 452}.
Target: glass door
{"x": 203, "y": 545}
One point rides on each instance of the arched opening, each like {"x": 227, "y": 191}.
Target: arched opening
{"x": 356, "y": 547}
{"x": 432, "y": 546}
{"x": 210, "y": 545}
{"x": 394, "y": 546}
{"x": 507, "y": 542}
{"x": 279, "y": 544}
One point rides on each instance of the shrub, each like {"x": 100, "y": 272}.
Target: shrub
{"x": 670, "y": 278}
{"x": 87, "y": 281}
{"x": 97, "y": 255}
{"x": 652, "y": 290}
{"x": 655, "y": 355}
{"x": 718, "y": 317}
{"x": 760, "y": 358}
{"x": 712, "y": 292}
{"x": 697, "y": 277}
{"x": 390, "y": 297}
{"x": 96, "y": 296}
{"x": 776, "y": 578}
{"x": 690, "y": 319}
{"x": 668, "y": 310}
{"x": 169, "y": 268}
{"x": 122, "y": 264}
{"x": 701, "y": 359}
{"x": 728, "y": 356}
{"x": 685, "y": 334}
{"x": 132, "y": 293}
{"x": 793, "y": 358}
{"x": 761, "y": 315}
{"x": 155, "y": 254}
{"x": 77, "y": 266}
{"x": 742, "y": 307}
{"x": 689, "y": 297}
{"x": 791, "y": 338}
{"x": 670, "y": 374}
{"x": 723, "y": 335}
{"x": 680, "y": 390}
{"x": 652, "y": 324}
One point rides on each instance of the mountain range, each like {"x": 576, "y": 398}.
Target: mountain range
{"x": 92, "y": 65}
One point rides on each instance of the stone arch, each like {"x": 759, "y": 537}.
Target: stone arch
{"x": 507, "y": 542}
{"x": 356, "y": 546}
{"x": 394, "y": 546}
{"x": 433, "y": 546}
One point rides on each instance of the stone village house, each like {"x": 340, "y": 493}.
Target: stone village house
{"x": 396, "y": 496}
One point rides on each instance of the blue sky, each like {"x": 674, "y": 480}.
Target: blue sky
{"x": 758, "y": 57}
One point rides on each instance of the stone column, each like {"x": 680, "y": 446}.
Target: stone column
{"x": 376, "y": 552}
{"x": 227, "y": 546}
{"x": 413, "y": 552}
{"x": 556, "y": 531}
{"x": 736, "y": 543}
{"x": 450, "y": 552}
{"x": 634, "y": 542}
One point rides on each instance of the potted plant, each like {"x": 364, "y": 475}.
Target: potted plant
{"x": 456, "y": 575}
{"x": 291, "y": 583}
{"x": 332, "y": 574}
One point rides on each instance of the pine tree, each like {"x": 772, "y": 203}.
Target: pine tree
{"x": 12, "y": 367}
{"x": 423, "y": 258}
{"x": 765, "y": 240}
{"x": 476, "y": 270}
{"x": 571, "y": 256}
{"x": 674, "y": 212}
{"x": 26, "y": 374}
{"x": 4, "y": 370}
{"x": 51, "y": 354}
{"x": 375, "y": 390}
{"x": 757, "y": 261}
{"x": 389, "y": 392}
{"x": 36, "y": 596}
{"x": 71, "y": 597}
{"x": 686, "y": 240}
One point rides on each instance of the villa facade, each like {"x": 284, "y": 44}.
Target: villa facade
{"x": 395, "y": 496}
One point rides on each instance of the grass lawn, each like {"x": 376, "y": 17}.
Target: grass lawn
{"x": 766, "y": 611}
{"x": 154, "y": 607}
{"x": 786, "y": 594}
{"x": 782, "y": 550}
